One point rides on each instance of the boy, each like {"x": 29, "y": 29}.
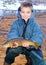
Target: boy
{"x": 26, "y": 28}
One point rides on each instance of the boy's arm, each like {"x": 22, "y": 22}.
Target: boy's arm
{"x": 13, "y": 33}
{"x": 37, "y": 34}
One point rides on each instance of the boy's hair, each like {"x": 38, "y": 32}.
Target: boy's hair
{"x": 25, "y": 4}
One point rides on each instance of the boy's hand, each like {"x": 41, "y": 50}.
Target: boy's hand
{"x": 15, "y": 45}
{"x": 24, "y": 44}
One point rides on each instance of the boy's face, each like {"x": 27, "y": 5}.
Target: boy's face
{"x": 25, "y": 13}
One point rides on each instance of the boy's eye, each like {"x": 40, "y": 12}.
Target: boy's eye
{"x": 22, "y": 12}
{"x": 28, "y": 12}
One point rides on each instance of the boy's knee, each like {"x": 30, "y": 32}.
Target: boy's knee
{"x": 10, "y": 56}
{"x": 12, "y": 53}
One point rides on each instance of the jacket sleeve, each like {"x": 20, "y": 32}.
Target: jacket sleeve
{"x": 13, "y": 33}
{"x": 37, "y": 34}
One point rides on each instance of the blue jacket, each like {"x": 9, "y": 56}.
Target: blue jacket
{"x": 33, "y": 31}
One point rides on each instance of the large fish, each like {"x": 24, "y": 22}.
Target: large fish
{"x": 20, "y": 41}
